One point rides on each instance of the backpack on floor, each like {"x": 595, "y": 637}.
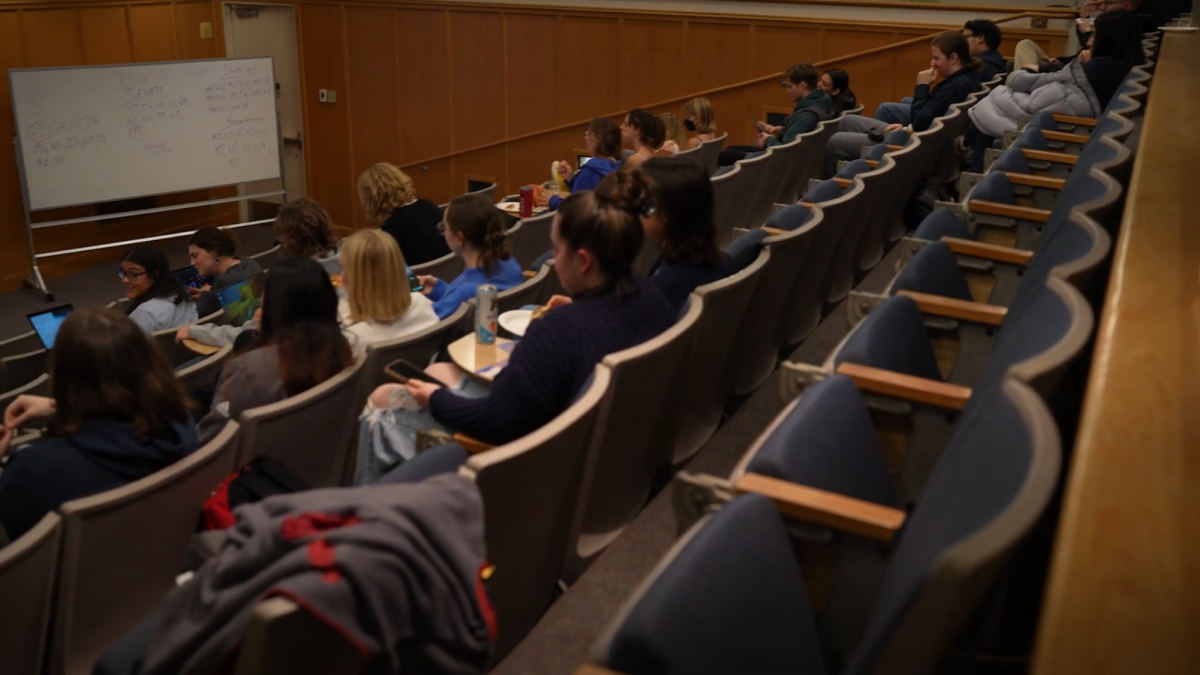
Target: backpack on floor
{"x": 261, "y": 478}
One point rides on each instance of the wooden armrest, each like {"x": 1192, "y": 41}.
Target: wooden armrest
{"x": 1009, "y": 210}
{"x": 976, "y": 312}
{"x": 1035, "y": 181}
{"x": 873, "y": 163}
{"x": 593, "y": 669}
{"x": 830, "y": 509}
{"x": 978, "y": 249}
{"x": 1064, "y": 137}
{"x": 907, "y": 387}
{"x": 1044, "y": 156}
{"x": 773, "y": 231}
{"x": 843, "y": 182}
{"x": 1077, "y": 121}
{"x": 893, "y": 148}
{"x": 529, "y": 274}
{"x": 806, "y": 204}
{"x": 472, "y": 446}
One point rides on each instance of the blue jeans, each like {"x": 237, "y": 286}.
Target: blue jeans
{"x": 895, "y": 113}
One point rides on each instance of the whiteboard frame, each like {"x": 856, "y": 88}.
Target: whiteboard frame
{"x": 35, "y": 279}
{"x": 18, "y": 127}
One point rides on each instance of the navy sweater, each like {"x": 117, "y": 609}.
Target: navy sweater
{"x": 554, "y": 360}
{"x": 677, "y": 280}
{"x": 101, "y": 455}
{"x": 928, "y": 106}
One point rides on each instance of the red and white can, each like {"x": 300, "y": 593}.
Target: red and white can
{"x": 526, "y": 195}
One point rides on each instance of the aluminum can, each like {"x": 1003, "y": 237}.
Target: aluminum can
{"x": 486, "y": 314}
{"x": 526, "y": 195}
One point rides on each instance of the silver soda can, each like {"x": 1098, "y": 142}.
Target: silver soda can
{"x": 486, "y": 313}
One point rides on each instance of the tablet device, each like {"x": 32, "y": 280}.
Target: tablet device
{"x": 191, "y": 278}
{"x": 47, "y": 323}
{"x": 242, "y": 299}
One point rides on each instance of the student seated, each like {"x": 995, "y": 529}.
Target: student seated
{"x": 473, "y": 231}
{"x": 643, "y": 132}
{"x": 214, "y": 254}
{"x": 698, "y": 116}
{"x": 983, "y": 39}
{"x": 836, "y": 83}
{"x": 157, "y": 298}
{"x": 391, "y": 203}
{"x": 118, "y": 414}
{"x": 674, "y": 133}
{"x": 1083, "y": 88}
{"x": 952, "y": 61}
{"x": 1029, "y": 56}
{"x": 811, "y": 107}
{"x": 602, "y": 139}
{"x": 681, "y": 221}
{"x": 299, "y": 345}
{"x": 379, "y": 305}
{"x": 596, "y": 238}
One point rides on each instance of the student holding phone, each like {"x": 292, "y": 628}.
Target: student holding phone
{"x": 379, "y": 303}
{"x": 474, "y": 231}
{"x": 810, "y": 103}
{"x": 596, "y": 236}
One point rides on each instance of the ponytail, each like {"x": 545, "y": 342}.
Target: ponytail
{"x": 478, "y": 221}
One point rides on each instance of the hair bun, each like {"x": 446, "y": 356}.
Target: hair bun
{"x": 625, "y": 190}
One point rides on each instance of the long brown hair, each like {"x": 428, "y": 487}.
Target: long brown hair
{"x": 300, "y": 320}
{"x": 105, "y": 367}
{"x": 478, "y": 220}
{"x": 606, "y": 222}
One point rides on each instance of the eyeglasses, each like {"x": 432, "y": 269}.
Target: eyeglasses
{"x": 122, "y": 273}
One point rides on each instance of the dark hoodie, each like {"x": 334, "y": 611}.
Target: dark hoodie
{"x": 808, "y": 113}
{"x": 100, "y": 456}
{"x": 927, "y": 106}
{"x": 993, "y": 64}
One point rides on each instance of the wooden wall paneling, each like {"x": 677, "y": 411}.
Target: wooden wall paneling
{"x": 424, "y": 84}
{"x": 873, "y": 80}
{"x": 433, "y": 180}
{"x": 105, "y": 32}
{"x": 907, "y": 62}
{"x": 533, "y": 102}
{"x": 14, "y": 252}
{"x": 777, "y": 47}
{"x": 326, "y": 151}
{"x": 487, "y": 163}
{"x": 370, "y": 61}
{"x": 152, "y": 32}
{"x": 528, "y": 160}
{"x": 477, "y": 78}
{"x": 188, "y": 17}
{"x": 718, "y": 54}
{"x": 838, "y": 42}
{"x": 651, "y": 61}
{"x": 590, "y": 85}
{"x": 52, "y": 38}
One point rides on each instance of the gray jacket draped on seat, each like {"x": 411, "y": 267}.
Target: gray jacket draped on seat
{"x": 1066, "y": 91}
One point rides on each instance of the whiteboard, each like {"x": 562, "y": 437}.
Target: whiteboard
{"x": 99, "y": 133}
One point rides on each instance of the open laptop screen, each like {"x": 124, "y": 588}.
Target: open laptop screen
{"x": 242, "y": 299}
{"x": 47, "y": 323}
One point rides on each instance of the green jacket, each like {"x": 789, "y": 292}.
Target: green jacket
{"x": 808, "y": 113}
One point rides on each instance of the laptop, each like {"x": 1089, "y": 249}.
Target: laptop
{"x": 47, "y": 323}
{"x": 242, "y": 299}
{"x": 190, "y": 277}
{"x": 580, "y": 160}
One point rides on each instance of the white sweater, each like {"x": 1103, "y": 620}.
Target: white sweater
{"x": 420, "y": 315}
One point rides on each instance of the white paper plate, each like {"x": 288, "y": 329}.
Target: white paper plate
{"x": 514, "y": 208}
{"x": 1181, "y": 29}
{"x": 516, "y": 321}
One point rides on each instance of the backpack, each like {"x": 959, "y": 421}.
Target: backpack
{"x": 261, "y": 478}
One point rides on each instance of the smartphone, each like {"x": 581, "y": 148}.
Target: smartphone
{"x": 759, "y": 125}
{"x": 414, "y": 284}
{"x": 404, "y": 371}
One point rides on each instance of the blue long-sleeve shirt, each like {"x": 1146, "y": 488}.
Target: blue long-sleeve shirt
{"x": 587, "y": 177}
{"x": 553, "y": 361}
{"x": 448, "y": 295}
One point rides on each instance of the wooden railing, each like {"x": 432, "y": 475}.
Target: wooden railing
{"x": 1123, "y": 594}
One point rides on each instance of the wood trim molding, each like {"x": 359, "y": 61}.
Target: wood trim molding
{"x": 1064, "y": 137}
{"x": 1077, "y": 121}
{"x": 1055, "y": 157}
{"x": 1008, "y": 210}
{"x": 830, "y": 509}
{"x": 907, "y": 387}
{"x": 472, "y": 446}
{"x": 1030, "y": 180}
{"x": 976, "y": 312}
{"x": 994, "y": 252}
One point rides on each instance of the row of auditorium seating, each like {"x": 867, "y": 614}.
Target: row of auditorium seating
{"x": 867, "y": 524}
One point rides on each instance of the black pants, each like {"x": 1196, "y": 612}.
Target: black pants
{"x": 735, "y": 153}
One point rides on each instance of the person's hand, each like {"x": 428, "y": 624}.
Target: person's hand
{"x": 565, "y": 170}
{"x": 772, "y": 130}
{"x": 541, "y": 197}
{"x": 1055, "y": 62}
{"x": 27, "y": 408}
{"x": 181, "y": 334}
{"x": 428, "y": 282}
{"x": 557, "y": 301}
{"x": 1084, "y": 56}
{"x": 893, "y": 127}
{"x": 926, "y": 77}
{"x": 421, "y": 391}
{"x": 1032, "y": 68}
{"x": 762, "y": 139}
